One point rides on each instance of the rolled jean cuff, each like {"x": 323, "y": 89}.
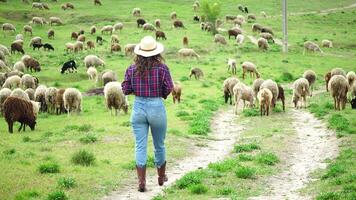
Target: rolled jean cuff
{"x": 140, "y": 165}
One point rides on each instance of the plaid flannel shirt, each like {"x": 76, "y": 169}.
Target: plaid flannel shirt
{"x": 155, "y": 83}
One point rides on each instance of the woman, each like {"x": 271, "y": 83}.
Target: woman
{"x": 150, "y": 81}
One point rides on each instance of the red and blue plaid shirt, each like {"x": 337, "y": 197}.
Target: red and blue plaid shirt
{"x": 155, "y": 83}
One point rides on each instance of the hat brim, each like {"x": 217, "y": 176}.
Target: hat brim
{"x": 159, "y": 49}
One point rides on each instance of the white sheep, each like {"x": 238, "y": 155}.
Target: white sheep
{"x": 93, "y": 61}
{"x": 115, "y": 98}
{"x": 4, "y": 93}
{"x": 38, "y": 20}
{"x": 273, "y": 87}
{"x": 28, "y": 81}
{"x": 78, "y": 46}
{"x": 19, "y": 37}
{"x": 50, "y": 97}
{"x": 114, "y": 39}
{"x": 12, "y": 82}
{"x": 300, "y": 92}
{"x": 25, "y": 58}
{"x": 265, "y": 97}
{"x": 228, "y": 87}
{"x": 136, "y": 12}
{"x": 118, "y": 26}
{"x": 173, "y": 15}
{"x": 3, "y": 66}
{"x": 2, "y": 56}
{"x": 242, "y": 92}
{"x": 36, "y": 106}
{"x": 36, "y": 40}
{"x": 256, "y": 86}
{"x": 185, "y": 52}
{"x": 18, "y": 92}
{"x": 31, "y": 93}
{"x": 108, "y": 76}
{"x": 351, "y": 77}
{"x": 338, "y": 87}
{"x": 19, "y": 66}
{"x": 262, "y": 44}
{"x": 55, "y": 20}
{"x": 326, "y": 43}
{"x": 92, "y": 73}
{"x": 8, "y": 27}
{"x": 4, "y": 50}
{"x": 311, "y": 47}
{"x": 231, "y": 63}
{"x": 263, "y": 14}
{"x": 69, "y": 47}
{"x": 338, "y": 71}
{"x": 40, "y": 96}
{"x": 249, "y": 67}
{"x": 37, "y": 5}
{"x": 310, "y": 75}
{"x": 107, "y": 28}
{"x": 240, "y": 39}
{"x": 72, "y": 100}
{"x": 129, "y": 49}
{"x": 218, "y": 38}
{"x": 27, "y": 29}
{"x": 149, "y": 27}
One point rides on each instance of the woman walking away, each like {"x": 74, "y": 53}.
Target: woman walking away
{"x": 150, "y": 81}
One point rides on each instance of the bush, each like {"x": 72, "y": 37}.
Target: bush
{"x": 85, "y": 128}
{"x": 48, "y": 168}
{"x": 223, "y": 166}
{"x": 182, "y": 113}
{"x": 267, "y": 158}
{"x": 329, "y": 196}
{"x": 198, "y": 189}
{"x": 245, "y": 157}
{"x": 339, "y": 122}
{"x": 200, "y": 124}
{"x": 191, "y": 178}
{"x": 57, "y": 195}
{"x": 66, "y": 182}
{"x": 89, "y": 138}
{"x": 246, "y": 147}
{"x": 225, "y": 191}
{"x": 83, "y": 157}
{"x": 245, "y": 172}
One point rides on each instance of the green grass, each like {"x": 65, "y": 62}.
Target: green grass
{"x": 49, "y": 168}
{"x": 57, "y": 195}
{"x": 66, "y": 182}
{"x": 83, "y": 157}
{"x": 246, "y": 147}
{"x": 267, "y": 158}
{"x": 245, "y": 172}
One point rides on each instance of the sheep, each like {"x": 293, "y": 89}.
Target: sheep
{"x": 70, "y": 66}
{"x": 27, "y": 29}
{"x": 140, "y": 22}
{"x": 129, "y": 49}
{"x": 74, "y": 36}
{"x": 327, "y": 78}
{"x": 72, "y": 100}
{"x": 311, "y": 47}
{"x": 4, "y": 93}
{"x": 59, "y": 105}
{"x": 262, "y": 44}
{"x": 37, "y": 5}
{"x": 267, "y": 36}
{"x": 351, "y": 77}
{"x": 32, "y": 64}
{"x": 69, "y": 47}
{"x": 310, "y": 75}
{"x": 173, "y": 16}
{"x": 38, "y": 20}
{"x": 271, "y": 85}
{"x": 20, "y": 66}
{"x": 240, "y": 39}
{"x": 114, "y": 39}
{"x": 233, "y": 32}
{"x": 31, "y": 93}
{"x": 300, "y": 92}
{"x": 12, "y": 82}
{"x": 231, "y": 63}
{"x": 40, "y": 96}
{"x": 242, "y": 92}
{"x": 195, "y": 7}
{"x": 241, "y": 18}
{"x": 19, "y": 93}
{"x": 338, "y": 87}
{"x": 218, "y": 38}
{"x": 38, "y": 46}
{"x": 28, "y": 81}
{"x": 230, "y": 18}
{"x": 256, "y": 27}
{"x": 196, "y": 18}
{"x": 256, "y": 86}
{"x": 16, "y": 47}
{"x": 50, "y": 97}
{"x": 263, "y": 14}
{"x": 352, "y": 90}
{"x": 136, "y": 12}
{"x": 90, "y": 45}
{"x": 19, "y": 37}
{"x": 97, "y": 2}
{"x": 3, "y": 66}
{"x": 78, "y": 46}
{"x": 48, "y": 47}
{"x": 228, "y": 86}
{"x": 160, "y": 34}
{"x": 81, "y": 38}
{"x": 50, "y": 34}
{"x": 118, "y": 26}
{"x": 55, "y": 20}
{"x": 2, "y": 56}
{"x": 338, "y": 71}
{"x": 198, "y": 73}
{"x": 2, "y": 78}
{"x": 93, "y": 60}
{"x": 108, "y": 76}
{"x": 176, "y": 92}
{"x": 69, "y": 5}
{"x": 251, "y": 68}
{"x": 35, "y": 40}
{"x": 115, "y": 98}
{"x": 178, "y": 24}
{"x": 14, "y": 73}
{"x": 326, "y": 43}
{"x": 267, "y": 30}
{"x": 158, "y": 23}
{"x": 185, "y": 52}
{"x": 92, "y": 30}
{"x": 8, "y": 27}
{"x": 148, "y": 27}
{"x": 185, "y": 41}
{"x": 92, "y": 73}
{"x": 115, "y": 48}
{"x": 107, "y": 29}
{"x": 16, "y": 109}
{"x": 281, "y": 96}
{"x": 264, "y": 97}
{"x": 251, "y": 17}
{"x": 4, "y": 50}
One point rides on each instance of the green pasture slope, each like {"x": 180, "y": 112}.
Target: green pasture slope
{"x": 39, "y": 164}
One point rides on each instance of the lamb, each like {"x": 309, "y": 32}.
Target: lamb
{"x": 160, "y": 34}
{"x": 69, "y": 47}
{"x": 240, "y": 39}
{"x": 12, "y": 82}
{"x": 16, "y": 47}
{"x": 32, "y": 64}
{"x": 140, "y": 22}
{"x": 4, "y": 93}
{"x": 173, "y": 16}
{"x": 114, "y": 39}
{"x": 251, "y": 68}
{"x": 8, "y": 27}
{"x": 300, "y": 92}
{"x": 273, "y": 87}
{"x": 231, "y": 63}
{"x": 351, "y": 77}
{"x": 281, "y": 96}
{"x": 92, "y": 73}
{"x": 69, "y": 66}
{"x": 81, "y": 32}
{"x": 93, "y": 60}
{"x": 31, "y": 93}
{"x": 256, "y": 86}
{"x": 28, "y": 81}
{"x": 59, "y": 105}
{"x": 338, "y": 71}
{"x": 178, "y": 24}
{"x": 81, "y": 38}
{"x": 218, "y": 38}
{"x": 50, "y": 97}
{"x": 38, "y": 46}
{"x": 115, "y": 48}
{"x": 311, "y": 47}
{"x": 115, "y": 98}
{"x": 267, "y": 36}
{"x": 158, "y": 23}
{"x": 16, "y": 109}
{"x": 55, "y": 20}
{"x": 326, "y": 43}
{"x": 27, "y": 29}
{"x": 78, "y": 46}
{"x": 118, "y": 26}
{"x": 185, "y": 52}
{"x": 129, "y": 49}
{"x": 40, "y": 96}
{"x": 72, "y": 100}
{"x": 176, "y": 92}
{"x": 242, "y": 92}
{"x": 198, "y": 73}
{"x": 185, "y": 41}
{"x": 262, "y": 44}
{"x": 97, "y": 2}
{"x": 196, "y": 18}
{"x": 107, "y": 29}
{"x": 338, "y": 87}
{"x": 149, "y": 27}
{"x": 92, "y": 30}
{"x": 19, "y": 66}
{"x": 108, "y": 76}
{"x": 228, "y": 86}
{"x": 264, "y": 97}
{"x": 310, "y": 75}
{"x": 90, "y": 45}
{"x": 50, "y": 34}
{"x": 136, "y": 12}
{"x": 19, "y": 93}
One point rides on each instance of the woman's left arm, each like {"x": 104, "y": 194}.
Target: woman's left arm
{"x": 126, "y": 84}
{"x": 167, "y": 82}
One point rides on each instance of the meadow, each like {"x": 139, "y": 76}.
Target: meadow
{"x": 40, "y": 164}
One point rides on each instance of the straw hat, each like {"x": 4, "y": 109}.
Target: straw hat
{"x": 148, "y": 47}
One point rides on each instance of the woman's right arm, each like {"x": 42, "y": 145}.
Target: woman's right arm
{"x": 126, "y": 84}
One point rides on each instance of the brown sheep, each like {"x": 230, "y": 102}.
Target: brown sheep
{"x": 81, "y": 38}
{"x": 265, "y": 97}
{"x": 178, "y": 24}
{"x": 50, "y": 34}
{"x": 92, "y": 30}
{"x": 310, "y": 75}
{"x": 327, "y": 78}
{"x": 90, "y": 45}
{"x": 251, "y": 68}
{"x": 185, "y": 41}
{"x": 281, "y": 96}
{"x": 158, "y": 23}
{"x": 59, "y": 102}
{"x": 115, "y": 48}
{"x": 74, "y": 36}
{"x": 19, "y": 110}
{"x": 32, "y": 64}
{"x": 233, "y": 32}
{"x": 97, "y": 2}
{"x": 198, "y": 73}
{"x": 338, "y": 87}
{"x": 17, "y": 47}
{"x": 176, "y": 92}
{"x": 160, "y": 34}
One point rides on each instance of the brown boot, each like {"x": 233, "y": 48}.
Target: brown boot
{"x": 141, "y": 174}
{"x": 162, "y": 177}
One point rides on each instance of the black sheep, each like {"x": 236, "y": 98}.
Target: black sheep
{"x": 140, "y": 22}
{"x": 69, "y": 65}
{"x": 48, "y": 47}
{"x": 246, "y": 10}
{"x": 196, "y": 18}
{"x": 38, "y": 46}
{"x": 353, "y": 103}
{"x": 99, "y": 40}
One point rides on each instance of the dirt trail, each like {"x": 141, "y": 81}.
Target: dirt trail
{"x": 313, "y": 144}
{"x": 325, "y": 11}
{"x": 224, "y": 134}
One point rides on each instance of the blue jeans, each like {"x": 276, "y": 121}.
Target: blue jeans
{"x": 149, "y": 112}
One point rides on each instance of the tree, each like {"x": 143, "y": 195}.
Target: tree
{"x": 211, "y": 10}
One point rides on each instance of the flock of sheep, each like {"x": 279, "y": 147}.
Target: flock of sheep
{"x": 20, "y": 90}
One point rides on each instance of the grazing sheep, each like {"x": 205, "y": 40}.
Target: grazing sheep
{"x": 160, "y": 34}
{"x": 72, "y": 100}
{"x": 310, "y": 75}
{"x": 198, "y": 73}
{"x": 233, "y": 32}
{"x": 115, "y": 48}
{"x": 251, "y": 68}
{"x": 231, "y": 63}
{"x": 107, "y": 29}
{"x": 4, "y": 93}
{"x": 37, "y": 5}
{"x": 267, "y": 30}
{"x": 218, "y": 38}
{"x": 173, "y": 16}
{"x": 38, "y": 46}
{"x": 158, "y": 23}
{"x": 78, "y": 46}
{"x": 69, "y": 47}
{"x": 27, "y": 29}
{"x": 81, "y": 38}
{"x": 97, "y": 2}
{"x": 12, "y": 82}
{"x": 118, "y": 26}
{"x": 251, "y": 17}
{"x": 176, "y": 92}
{"x": 257, "y": 27}
{"x": 140, "y": 22}
{"x": 40, "y": 96}
{"x": 262, "y": 44}
{"x": 281, "y": 96}
{"x": 50, "y": 97}
{"x": 267, "y": 36}
{"x": 241, "y": 18}
{"x": 149, "y": 27}
{"x": 300, "y": 92}
{"x": 129, "y": 49}
{"x": 228, "y": 86}
{"x": 311, "y": 47}
{"x": 28, "y": 81}
{"x": 32, "y": 64}
{"x": 48, "y": 47}
{"x": 4, "y": 50}
{"x": 19, "y": 37}
{"x": 19, "y": 66}
{"x": 36, "y": 40}
{"x": 240, "y": 39}
{"x": 50, "y": 34}
{"x": 70, "y": 66}
{"x": 256, "y": 86}
{"x": 185, "y": 52}
{"x": 338, "y": 71}
{"x": 230, "y": 18}
{"x": 108, "y": 76}
{"x": 74, "y": 36}
{"x": 19, "y": 110}
{"x": 92, "y": 30}
{"x": 265, "y": 97}
{"x": 55, "y": 20}
{"x": 136, "y": 12}
{"x": 351, "y": 77}
{"x": 196, "y": 18}
{"x": 327, "y": 78}
{"x": 90, "y": 45}
{"x": 178, "y": 24}
{"x": 3, "y": 66}
{"x": 114, "y": 39}
{"x": 92, "y": 73}
{"x": 16, "y": 47}
{"x": 31, "y": 93}
{"x": 185, "y": 41}
{"x": 338, "y": 87}
{"x": 242, "y": 92}
{"x": 13, "y": 73}
{"x": 59, "y": 105}
{"x": 19, "y": 93}
{"x": 93, "y": 60}
{"x": 115, "y": 98}
{"x": 8, "y": 27}
{"x": 69, "y": 5}
{"x": 36, "y": 20}
{"x": 273, "y": 87}
{"x": 326, "y": 43}
{"x": 2, "y": 56}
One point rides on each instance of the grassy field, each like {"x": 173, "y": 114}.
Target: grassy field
{"x": 57, "y": 138}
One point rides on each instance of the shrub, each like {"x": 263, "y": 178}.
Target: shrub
{"x": 223, "y": 166}
{"x": 66, "y": 182}
{"x": 198, "y": 189}
{"x": 25, "y": 195}
{"x": 57, "y": 195}
{"x": 246, "y": 147}
{"x": 267, "y": 158}
{"x": 83, "y": 157}
{"x": 48, "y": 168}
{"x": 89, "y": 138}
{"x": 339, "y": 122}
{"x": 200, "y": 124}
{"x": 245, "y": 157}
{"x": 191, "y": 178}
{"x": 329, "y": 196}
{"x": 182, "y": 113}
{"x": 245, "y": 172}
{"x": 251, "y": 112}
{"x": 225, "y": 191}
{"x": 317, "y": 110}
{"x": 85, "y": 128}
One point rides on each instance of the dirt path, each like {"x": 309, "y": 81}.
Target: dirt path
{"x": 313, "y": 144}
{"x": 224, "y": 134}
{"x": 325, "y": 11}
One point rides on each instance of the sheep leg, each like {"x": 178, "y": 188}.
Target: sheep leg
{"x": 10, "y": 125}
{"x": 267, "y": 109}
{"x": 335, "y": 103}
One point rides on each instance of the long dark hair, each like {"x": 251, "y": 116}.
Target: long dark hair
{"x": 144, "y": 64}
